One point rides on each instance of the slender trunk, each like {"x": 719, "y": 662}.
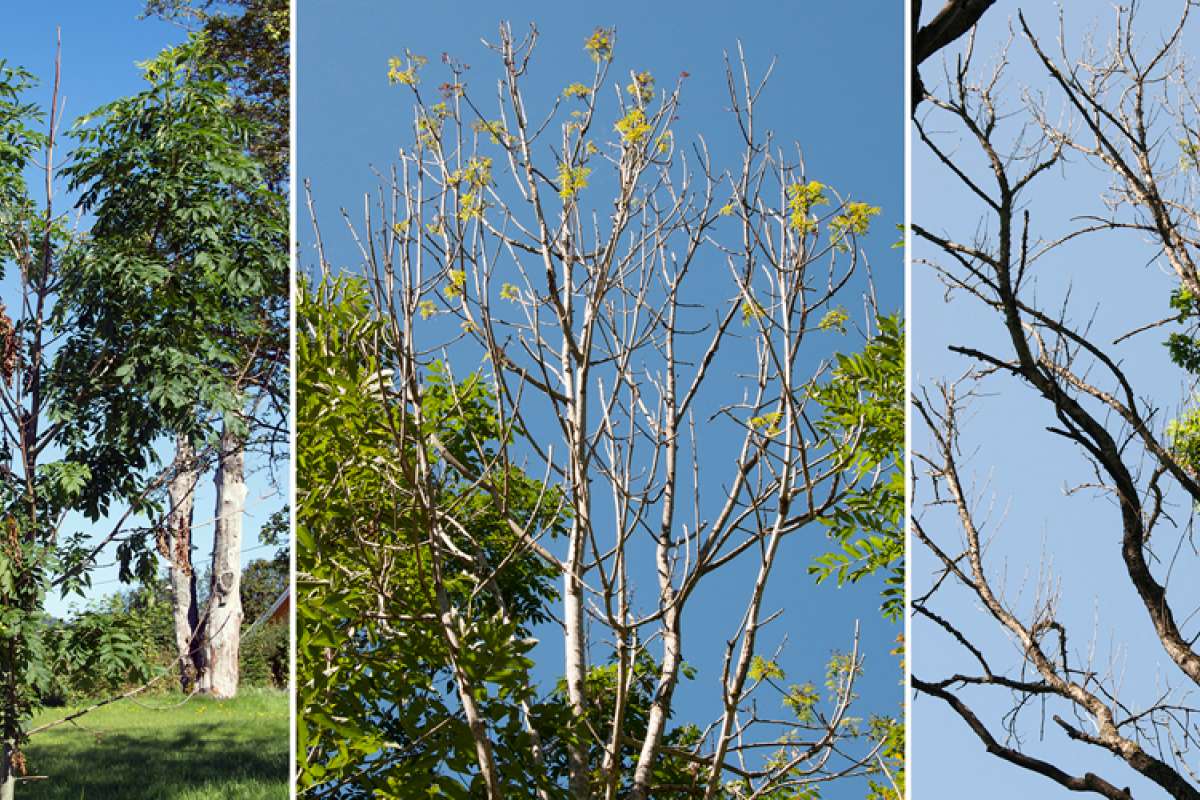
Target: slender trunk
{"x": 576, "y": 663}
{"x": 735, "y": 684}
{"x": 575, "y": 638}
{"x": 660, "y": 709}
{"x": 466, "y": 696}
{"x": 224, "y": 623}
{"x": 182, "y": 492}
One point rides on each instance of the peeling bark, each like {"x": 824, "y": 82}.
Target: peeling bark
{"x": 224, "y": 624}
{"x": 177, "y": 545}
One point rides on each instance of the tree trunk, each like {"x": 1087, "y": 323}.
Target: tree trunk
{"x": 182, "y": 491}
{"x": 224, "y": 623}
{"x": 8, "y": 778}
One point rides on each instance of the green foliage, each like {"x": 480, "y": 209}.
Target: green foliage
{"x": 126, "y": 639}
{"x": 19, "y": 141}
{"x": 262, "y": 583}
{"x": 864, "y": 405}
{"x": 377, "y": 718}
{"x": 45, "y": 484}
{"x": 1183, "y": 434}
{"x": 670, "y": 770}
{"x": 864, "y": 408}
{"x": 188, "y": 254}
{"x": 1183, "y": 348}
{"x": 263, "y": 656}
{"x": 114, "y": 643}
{"x": 276, "y": 531}
{"x": 252, "y": 38}
{"x": 891, "y": 732}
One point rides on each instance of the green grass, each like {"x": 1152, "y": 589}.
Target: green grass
{"x": 201, "y": 750}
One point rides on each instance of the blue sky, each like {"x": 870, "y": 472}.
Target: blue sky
{"x": 1021, "y": 471}
{"x": 837, "y": 90}
{"x": 101, "y": 45}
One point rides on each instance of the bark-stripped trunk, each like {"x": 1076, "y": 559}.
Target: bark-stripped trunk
{"x": 660, "y": 708}
{"x": 182, "y": 491}
{"x": 575, "y": 645}
{"x": 575, "y": 634}
{"x": 224, "y": 624}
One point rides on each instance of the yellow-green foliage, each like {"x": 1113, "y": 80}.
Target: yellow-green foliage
{"x": 476, "y": 176}
{"x": 855, "y": 219}
{"x": 633, "y": 127}
{"x": 493, "y": 128}
{"x": 404, "y": 70}
{"x": 752, "y": 310}
{"x": 1183, "y": 434}
{"x": 571, "y": 180}
{"x": 477, "y": 173}
{"x": 764, "y": 669}
{"x": 642, "y": 87}
{"x": 834, "y": 319}
{"x": 769, "y": 422}
{"x": 600, "y": 44}
{"x": 470, "y": 206}
{"x": 801, "y": 199}
{"x": 429, "y": 130}
{"x": 1189, "y": 154}
{"x": 458, "y": 280}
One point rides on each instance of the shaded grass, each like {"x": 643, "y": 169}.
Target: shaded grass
{"x": 201, "y": 750}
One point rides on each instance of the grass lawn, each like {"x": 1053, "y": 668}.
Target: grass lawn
{"x": 201, "y": 750}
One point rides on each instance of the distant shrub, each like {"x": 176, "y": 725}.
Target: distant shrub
{"x": 112, "y": 644}
{"x": 264, "y": 656}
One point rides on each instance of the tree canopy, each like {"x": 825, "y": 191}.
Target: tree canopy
{"x": 562, "y": 486}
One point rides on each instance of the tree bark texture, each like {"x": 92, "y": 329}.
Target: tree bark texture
{"x": 224, "y": 623}
{"x": 177, "y": 545}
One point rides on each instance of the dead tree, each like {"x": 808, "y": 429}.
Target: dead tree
{"x": 1130, "y": 112}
